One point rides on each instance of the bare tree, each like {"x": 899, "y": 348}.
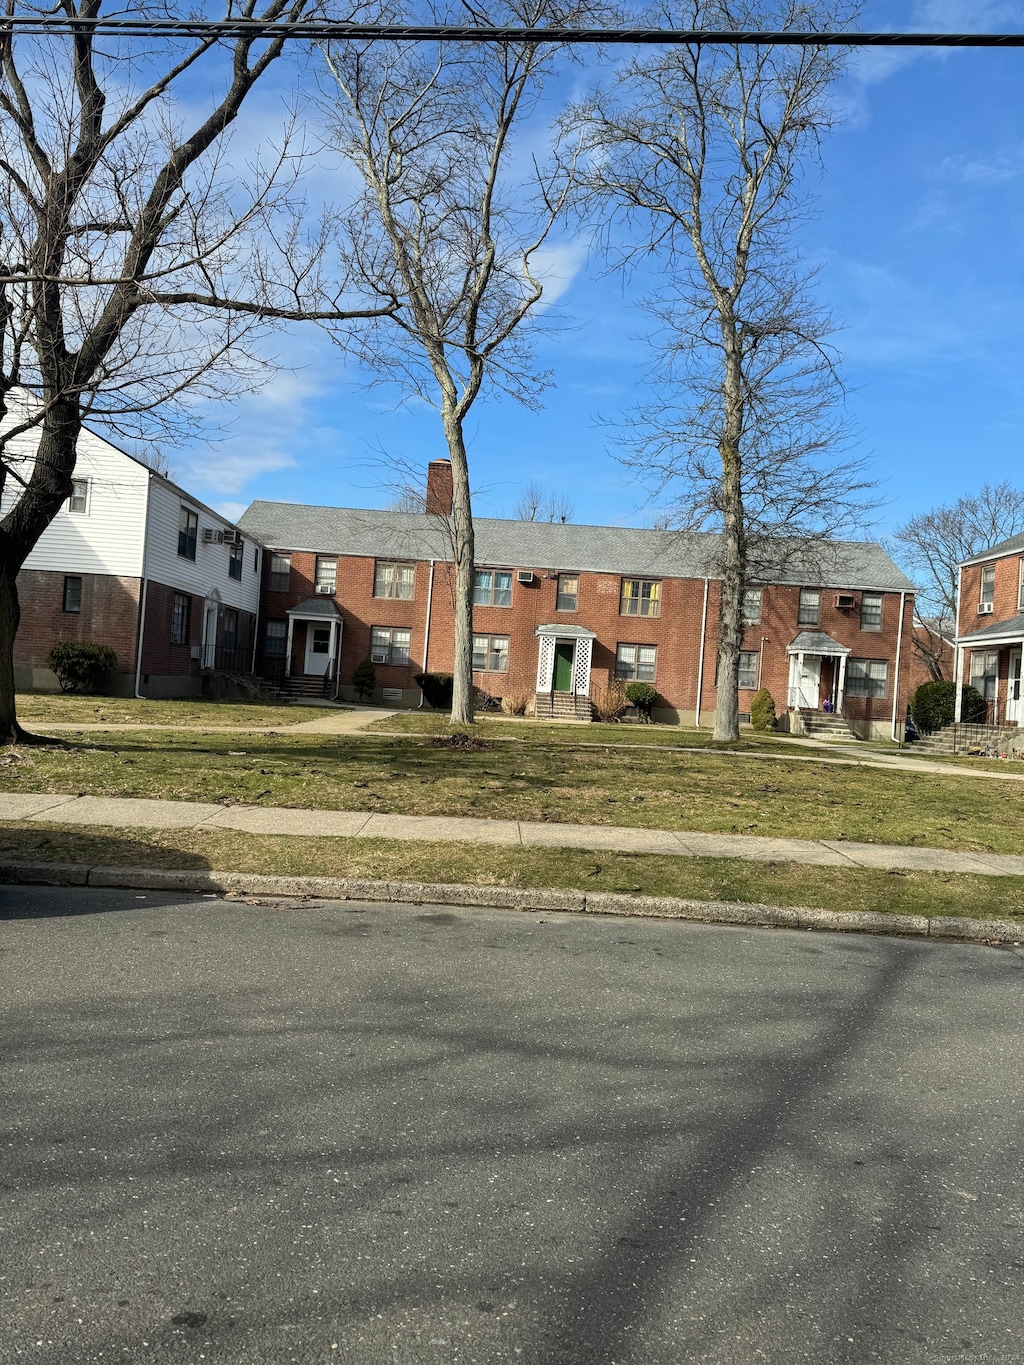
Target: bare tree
{"x": 136, "y": 266}
{"x": 933, "y": 544}
{"x": 697, "y": 153}
{"x": 447, "y": 231}
{"x": 537, "y": 504}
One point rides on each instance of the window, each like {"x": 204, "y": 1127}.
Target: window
{"x": 988, "y": 585}
{"x": 867, "y": 678}
{"x": 748, "y": 670}
{"x": 493, "y": 588}
{"x": 393, "y": 580}
{"x": 490, "y": 653}
{"x": 326, "y": 575}
{"x": 871, "y": 611}
{"x": 229, "y": 631}
{"x": 568, "y": 592}
{"x": 752, "y": 605}
{"x": 809, "y": 611}
{"x": 280, "y": 573}
{"x": 275, "y": 642}
{"x": 79, "y": 500}
{"x": 636, "y": 663}
{"x": 188, "y": 529}
{"x": 985, "y": 674}
{"x": 640, "y": 597}
{"x": 181, "y": 619}
{"x": 235, "y": 561}
{"x": 390, "y": 645}
{"x": 72, "y": 593}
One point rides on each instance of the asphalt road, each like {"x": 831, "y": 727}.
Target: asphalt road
{"x": 254, "y": 1134}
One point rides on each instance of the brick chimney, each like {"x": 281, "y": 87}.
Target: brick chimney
{"x": 439, "y": 488}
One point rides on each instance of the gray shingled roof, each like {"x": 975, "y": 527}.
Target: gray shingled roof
{"x": 315, "y": 606}
{"x": 1014, "y": 626}
{"x": 556, "y": 546}
{"x": 816, "y": 642}
{"x": 1005, "y": 547}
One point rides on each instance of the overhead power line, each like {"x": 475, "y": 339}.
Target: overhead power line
{"x": 323, "y": 29}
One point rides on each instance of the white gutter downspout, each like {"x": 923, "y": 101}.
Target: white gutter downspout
{"x": 958, "y": 657}
{"x": 700, "y": 665}
{"x": 898, "y": 738}
{"x": 145, "y": 590}
{"x": 426, "y": 632}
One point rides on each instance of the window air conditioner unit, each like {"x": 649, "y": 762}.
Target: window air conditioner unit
{"x": 984, "y": 608}
{"x": 196, "y": 652}
{"x": 327, "y": 589}
{"x": 379, "y": 658}
{"x": 212, "y": 536}
{"x": 524, "y": 576}
{"x": 845, "y": 600}
{"x": 233, "y": 538}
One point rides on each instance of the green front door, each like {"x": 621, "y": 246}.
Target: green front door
{"x": 563, "y": 666}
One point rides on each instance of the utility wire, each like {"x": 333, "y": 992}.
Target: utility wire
{"x": 323, "y": 29}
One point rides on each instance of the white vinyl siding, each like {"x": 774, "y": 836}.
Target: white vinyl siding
{"x": 210, "y": 570}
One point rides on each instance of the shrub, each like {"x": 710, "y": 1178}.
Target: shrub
{"x": 643, "y": 696}
{"x": 762, "y": 710}
{"x": 933, "y": 705}
{"x": 515, "y": 703}
{"x": 79, "y": 665}
{"x": 610, "y": 704}
{"x": 364, "y": 679}
{"x": 437, "y": 688}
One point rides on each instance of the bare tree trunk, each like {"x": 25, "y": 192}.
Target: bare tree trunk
{"x": 730, "y": 629}
{"x": 463, "y": 550}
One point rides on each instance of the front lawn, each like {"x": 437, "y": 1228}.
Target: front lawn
{"x": 67, "y": 708}
{"x": 724, "y": 879}
{"x": 532, "y": 779}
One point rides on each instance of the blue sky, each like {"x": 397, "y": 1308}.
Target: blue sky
{"x": 919, "y": 234}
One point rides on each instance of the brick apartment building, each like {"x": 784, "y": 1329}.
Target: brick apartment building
{"x": 135, "y": 562}
{"x": 561, "y": 609}
{"x": 990, "y": 629}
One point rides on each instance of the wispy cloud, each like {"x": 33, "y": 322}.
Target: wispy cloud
{"x": 228, "y": 470}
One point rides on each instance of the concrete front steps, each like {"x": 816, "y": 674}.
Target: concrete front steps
{"x": 563, "y": 706}
{"x": 962, "y": 738}
{"x": 818, "y": 725}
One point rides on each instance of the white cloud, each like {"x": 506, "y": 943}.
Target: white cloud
{"x": 231, "y": 510}
{"x": 228, "y": 470}
{"x": 556, "y": 266}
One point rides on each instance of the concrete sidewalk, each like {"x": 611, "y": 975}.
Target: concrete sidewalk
{"x": 122, "y": 813}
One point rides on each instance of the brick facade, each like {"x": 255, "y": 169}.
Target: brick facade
{"x": 109, "y": 614}
{"x": 990, "y": 643}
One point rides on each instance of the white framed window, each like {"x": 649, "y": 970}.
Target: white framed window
{"x": 871, "y": 611}
{"x": 390, "y": 645}
{"x": 326, "y": 574}
{"x": 490, "y": 653}
{"x": 181, "y": 619}
{"x": 809, "y": 610}
{"x": 235, "y": 556}
{"x": 280, "y": 573}
{"x": 79, "y": 500}
{"x": 988, "y": 585}
{"x": 568, "y": 592}
{"x": 751, "y": 606}
{"x": 747, "y": 676}
{"x": 640, "y": 597}
{"x": 393, "y": 579}
{"x": 867, "y": 678}
{"x": 275, "y": 641}
{"x": 492, "y": 588}
{"x": 636, "y": 663}
{"x": 985, "y": 673}
{"x": 188, "y": 532}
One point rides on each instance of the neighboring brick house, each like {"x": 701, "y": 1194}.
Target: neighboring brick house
{"x": 561, "y": 609}
{"x": 990, "y": 629}
{"x": 134, "y": 561}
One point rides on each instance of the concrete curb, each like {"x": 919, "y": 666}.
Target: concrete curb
{"x": 509, "y": 898}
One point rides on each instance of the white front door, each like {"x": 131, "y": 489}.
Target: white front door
{"x": 210, "y": 635}
{"x": 318, "y": 649}
{"x": 805, "y": 680}
{"x": 1014, "y": 701}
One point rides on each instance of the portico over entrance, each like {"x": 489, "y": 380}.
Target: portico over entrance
{"x": 323, "y": 623}
{"x": 817, "y": 671}
{"x": 563, "y": 659}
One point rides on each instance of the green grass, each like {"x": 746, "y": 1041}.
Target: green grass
{"x": 74, "y": 709}
{"x": 782, "y": 884}
{"x": 534, "y": 779}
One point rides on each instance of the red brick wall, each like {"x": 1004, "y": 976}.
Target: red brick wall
{"x": 109, "y": 615}
{"x": 675, "y": 632}
{"x": 1004, "y": 604}
{"x": 161, "y": 657}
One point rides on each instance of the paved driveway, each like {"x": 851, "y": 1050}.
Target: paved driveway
{"x": 314, "y": 1133}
